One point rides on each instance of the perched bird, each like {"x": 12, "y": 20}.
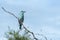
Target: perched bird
{"x": 21, "y": 19}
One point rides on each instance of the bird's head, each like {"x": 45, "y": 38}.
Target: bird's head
{"x": 23, "y": 11}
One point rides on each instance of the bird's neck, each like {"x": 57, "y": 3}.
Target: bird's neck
{"x": 22, "y": 14}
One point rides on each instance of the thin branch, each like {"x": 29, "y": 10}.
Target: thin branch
{"x": 30, "y": 32}
{"x": 9, "y": 12}
{"x": 42, "y": 36}
{"x": 22, "y": 23}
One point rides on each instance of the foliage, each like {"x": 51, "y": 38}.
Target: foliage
{"x": 15, "y": 35}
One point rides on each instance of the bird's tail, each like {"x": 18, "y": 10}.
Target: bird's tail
{"x": 20, "y": 26}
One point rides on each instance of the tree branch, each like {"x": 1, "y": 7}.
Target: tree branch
{"x": 22, "y": 23}
{"x": 42, "y": 36}
{"x": 30, "y": 32}
{"x": 9, "y": 12}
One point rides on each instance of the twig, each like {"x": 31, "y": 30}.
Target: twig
{"x": 9, "y": 12}
{"x": 42, "y": 36}
{"x": 30, "y": 32}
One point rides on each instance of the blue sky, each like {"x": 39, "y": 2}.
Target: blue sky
{"x": 42, "y": 16}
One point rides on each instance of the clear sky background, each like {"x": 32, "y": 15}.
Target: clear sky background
{"x": 42, "y": 16}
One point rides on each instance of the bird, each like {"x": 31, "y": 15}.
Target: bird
{"x": 21, "y": 19}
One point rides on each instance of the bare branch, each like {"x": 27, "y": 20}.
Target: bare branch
{"x": 42, "y": 36}
{"x": 22, "y": 23}
{"x": 30, "y": 32}
{"x": 9, "y": 12}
